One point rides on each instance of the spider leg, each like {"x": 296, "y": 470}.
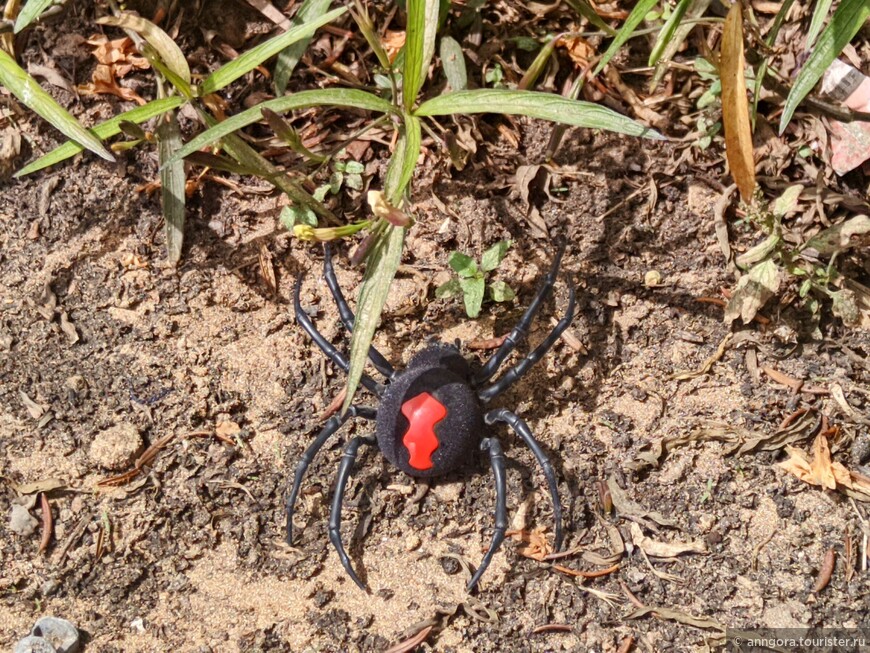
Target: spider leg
{"x": 514, "y": 373}
{"x": 522, "y": 429}
{"x": 347, "y": 318}
{"x": 522, "y": 327}
{"x": 344, "y": 469}
{"x": 329, "y": 429}
{"x": 331, "y": 352}
{"x": 496, "y": 459}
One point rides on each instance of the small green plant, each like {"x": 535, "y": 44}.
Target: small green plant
{"x": 471, "y": 281}
{"x": 776, "y": 260}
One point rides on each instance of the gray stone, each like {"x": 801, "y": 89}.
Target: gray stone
{"x": 62, "y": 635}
{"x": 33, "y": 644}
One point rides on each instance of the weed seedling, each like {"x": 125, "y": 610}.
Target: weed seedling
{"x": 471, "y": 281}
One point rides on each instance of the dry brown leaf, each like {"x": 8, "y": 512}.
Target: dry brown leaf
{"x": 659, "y": 549}
{"x": 45, "y": 485}
{"x": 119, "y": 54}
{"x": 538, "y": 547}
{"x": 707, "y": 365}
{"x": 821, "y": 469}
{"x": 578, "y": 49}
{"x": 227, "y": 429}
{"x": 821, "y": 465}
{"x": 267, "y": 268}
{"x": 679, "y": 617}
{"x": 735, "y": 105}
{"x": 628, "y": 508}
{"x": 393, "y": 43}
{"x": 783, "y": 379}
{"x": 103, "y": 81}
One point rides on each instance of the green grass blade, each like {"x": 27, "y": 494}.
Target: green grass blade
{"x": 696, "y": 10}
{"x": 167, "y": 49}
{"x": 381, "y": 267}
{"x": 249, "y": 158}
{"x": 382, "y": 263}
{"x": 585, "y": 9}
{"x": 340, "y": 97}
{"x": 845, "y": 23}
{"x": 535, "y": 105}
{"x": 172, "y": 186}
{"x": 666, "y": 35}
{"x": 641, "y": 9}
{"x": 246, "y": 62}
{"x": 419, "y": 46}
{"x": 770, "y": 39}
{"x": 25, "y": 88}
{"x": 539, "y": 65}
{"x": 404, "y": 161}
{"x": 32, "y": 10}
{"x": 289, "y": 57}
{"x": 103, "y": 131}
{"x": 819, "y": 14}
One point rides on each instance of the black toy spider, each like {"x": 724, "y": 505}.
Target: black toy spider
{"x": 430, "y": 415}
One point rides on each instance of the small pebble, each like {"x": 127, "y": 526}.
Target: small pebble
{"x": 652, "y": 279}
{"x": 33, "y": 644}
{"x": 450, "y": 566}
{"x": 60, "y": 633}
{"x": 21, "y": 521}
{"x": 49, "y": 587}
{"x": 117, "y": 447}
{"x": 861, "y": 448}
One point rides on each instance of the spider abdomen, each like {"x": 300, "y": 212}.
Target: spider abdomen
{"x": 430, "y": 421}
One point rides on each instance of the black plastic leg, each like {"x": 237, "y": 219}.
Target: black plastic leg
{"x": 344, "y": 469}
{"x": 331, "y": 352}
{"x": 496, "y": 459}
{"x": 516, "y": 372}
{"x": 381, "y": 364}
{"x": 522, "y": 429}
{"x": 521, "y": 329}
{"x": 329, "y": 429}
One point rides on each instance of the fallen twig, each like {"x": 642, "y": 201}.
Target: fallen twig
{"x": 46, "y": 523}
{"x": 826, "y": 571}
{"x": 552, "y": 628}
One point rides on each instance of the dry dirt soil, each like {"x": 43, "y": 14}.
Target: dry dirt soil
{"x": 105, "y": 350}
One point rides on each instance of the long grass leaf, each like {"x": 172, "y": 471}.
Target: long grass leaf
{"x": 382, "y": 263}
{"x": 166, "y": 48}
{"x": 246, "y": 62}
{"x": 171, "y": 186}
{"x": 26, "y": 89}
{"x": 31, "y": 11}
{"x": 666, "y": 34}
{"x": 404, "y": 161}
{"x": 289, "y": 57}
{"x": 249, "y": 158}
{"x": 419, "y": 46}
{"x": 539, "y": 65}
{"x": 535, "y": 105}
{"x": 641, "y": 9}
{"x": 381, "y": 267}
{"x": 735, "y": 105}
{"x": 820, "y": 13}
{"x": 770, "y": 39}
{"x": 586, "y": 10}
{"x": 696, "y": 10}
{"x": 848, "y": 18}
{"x": 103, "y": 131}
{"x": 339, "y": 97}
